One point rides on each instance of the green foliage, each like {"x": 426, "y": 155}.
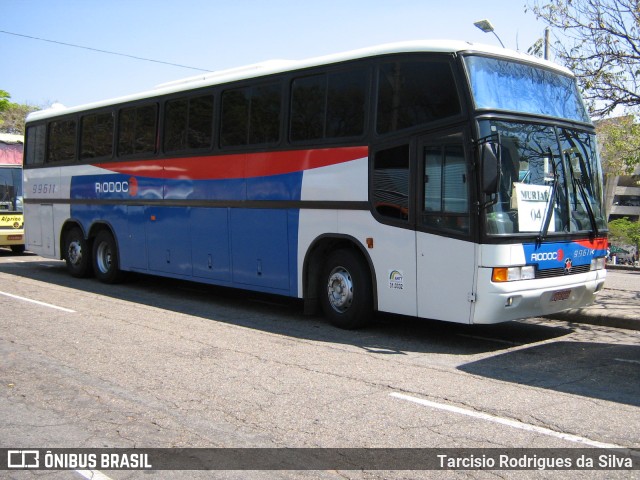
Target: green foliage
{"x": 4, "y": 100}
{"x": 13, "y": 115}
{"x": 625, "y": 231}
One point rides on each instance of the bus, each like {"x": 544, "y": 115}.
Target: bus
{"x": 435, "y": 179}
{"x": 11, "y": 216}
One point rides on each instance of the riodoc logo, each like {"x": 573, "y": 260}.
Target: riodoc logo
{"x": 545, "y": 256}
{"x": 125, "y": 186}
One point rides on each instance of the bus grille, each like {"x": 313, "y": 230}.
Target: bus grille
{"x": 559, "y": 272}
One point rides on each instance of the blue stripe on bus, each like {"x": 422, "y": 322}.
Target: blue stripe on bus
{"x": 248, "y": 248}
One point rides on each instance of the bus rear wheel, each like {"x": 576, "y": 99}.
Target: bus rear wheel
{"x": 77, "y": 253}
{"x": 346, "y": 295}
{"x": 105, "y": 258}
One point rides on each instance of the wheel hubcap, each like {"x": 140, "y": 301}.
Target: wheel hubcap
{"x": 75, "y": 253}
{"x": 340, "y": 289}
{"x": 103, "y": 257}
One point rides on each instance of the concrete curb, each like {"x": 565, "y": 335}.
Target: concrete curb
{"x": 613, "y": 308}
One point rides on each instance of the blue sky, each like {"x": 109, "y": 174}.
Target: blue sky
{"x": 215, "y": 35}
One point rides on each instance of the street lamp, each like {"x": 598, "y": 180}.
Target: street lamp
{"x": 486, "y": 27}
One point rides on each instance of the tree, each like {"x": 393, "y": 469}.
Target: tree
{"x": 13, "y": 115}
{"x": 600, "y": 43}
{"x": 620, "y": 141}
{"x": 13, "y": 118}
{"x": 4, "y": 100}
{"x": 625, "y": 231}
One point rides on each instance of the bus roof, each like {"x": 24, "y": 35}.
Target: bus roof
{"x": 281, "y": 66}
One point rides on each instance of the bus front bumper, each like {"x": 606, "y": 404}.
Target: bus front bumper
{"x": 501, "y": 302}
{"x": 11, "y": 237}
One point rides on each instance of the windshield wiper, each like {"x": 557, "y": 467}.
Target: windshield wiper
{"x": 552, "y": 195}
{"x": 587, "y": 204}
{"x": 577, "y": 182}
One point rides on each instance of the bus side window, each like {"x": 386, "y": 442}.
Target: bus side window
{"x": 251, "y": 115}
{"x": 137, "y": 127}
{"x": 328, "y": 106}
{"x": 96, "y": 135}
{"x": 36, "y": 137}
{"x": 62, "y": 141}
{"x": 188, "y": 123}
{"x": 412, "y": 93}
{"x": 391, "y": 182}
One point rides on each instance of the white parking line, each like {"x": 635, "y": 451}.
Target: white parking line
{"x": 93, "y": 475}
{"x": 626, "y": 361}
{"x": 506, "y": 421}
{"x": 24, "y": 299}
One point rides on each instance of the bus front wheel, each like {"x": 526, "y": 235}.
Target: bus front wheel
{"x": 105, "y": 258}
{"x": 345, "y": 295}
{"x": 77, "y": 253}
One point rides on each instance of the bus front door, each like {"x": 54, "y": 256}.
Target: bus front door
{"x": 445, "y": 253}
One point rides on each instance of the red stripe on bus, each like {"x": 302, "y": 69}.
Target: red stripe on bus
{"x": 596, "y": 244}
{"x": 241, "y": 165}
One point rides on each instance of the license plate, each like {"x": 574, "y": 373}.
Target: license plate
{"x": 560, "y": 295}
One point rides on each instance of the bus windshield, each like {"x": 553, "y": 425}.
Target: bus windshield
{"x": 507, "y": 85}
{"x": 545, "y": 172}
{"x": 10, "y": 189}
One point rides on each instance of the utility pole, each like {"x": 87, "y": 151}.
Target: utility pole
{"x": 546, "y": 43}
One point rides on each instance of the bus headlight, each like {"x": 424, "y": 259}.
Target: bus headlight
{"x": 597, "y": 263}
{"x": 511, "y": 274}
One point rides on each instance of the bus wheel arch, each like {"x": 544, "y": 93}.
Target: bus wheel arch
{"x": 331, "y": 263}
{"x": 105, "y": 254}
{"x": 76, "y": 250}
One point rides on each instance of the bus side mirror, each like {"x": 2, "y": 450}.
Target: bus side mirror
{"x": 490, "y": 166}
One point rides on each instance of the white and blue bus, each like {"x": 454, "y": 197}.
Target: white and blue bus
{"x": 442, "y": 180}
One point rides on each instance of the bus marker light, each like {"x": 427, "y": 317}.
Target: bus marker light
{"x": 369, "y": 242}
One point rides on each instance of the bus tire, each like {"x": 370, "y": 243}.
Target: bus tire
{"x": 106, "y": 263}
{"x": 77, "y": 254}
{"x": 345, "y": 290}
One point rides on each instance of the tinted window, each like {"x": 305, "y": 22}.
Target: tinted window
{"x": 413, "y": 93}
{"x": 250, "y": 116}
{"x": 137, "y": 130}
{"x": 328, "y": 106}
{"x": 96, "y": 135}
{"x": 62, "y": 141}
{"x": 264, "y": 124}
{"x": 35, "y": 145}
{"x": 308, "y": 108}
{"x": 391, "y": 182}
{"x": 345, "y": 104}
{"x": 188, "y": 123}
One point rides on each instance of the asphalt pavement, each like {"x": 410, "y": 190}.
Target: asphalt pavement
{"x": 618, "y": 305}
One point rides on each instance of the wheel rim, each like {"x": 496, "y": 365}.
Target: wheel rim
{"x": 103, "y": 257}
{"x": 74, "y": 252}
{"x": 340, "y": 289}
